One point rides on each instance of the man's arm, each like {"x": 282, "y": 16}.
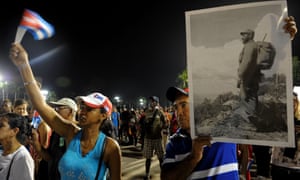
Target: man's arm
{"x": 181, "y": 171}
{"x": 184, "y": 168}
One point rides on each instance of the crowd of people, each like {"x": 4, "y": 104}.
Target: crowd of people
{"x": 83, "y": 136}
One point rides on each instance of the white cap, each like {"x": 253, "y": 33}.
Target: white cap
{"x": 97, "y": 100}
{"x": 65, "y": 102}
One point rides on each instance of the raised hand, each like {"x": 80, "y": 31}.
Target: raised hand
{"x": 290, "y": 26}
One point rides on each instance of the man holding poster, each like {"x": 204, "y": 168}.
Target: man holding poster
{"x": 188, "y": 158}
{"x": 198, "y": 162}
{"x": 212, "y": 62}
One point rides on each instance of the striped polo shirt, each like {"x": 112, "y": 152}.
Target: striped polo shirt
{"x": 219, "y": 161}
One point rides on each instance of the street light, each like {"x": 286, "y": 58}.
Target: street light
{"x": 2, "y": 86}
{"x": 118, "y": 100}
{"x": 142, "y": 102}
{"x": 45, "y": 93}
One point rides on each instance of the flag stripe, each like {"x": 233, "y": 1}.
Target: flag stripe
{"x": 36, "y": 25}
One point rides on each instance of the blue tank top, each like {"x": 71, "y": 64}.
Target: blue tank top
{"x": 73, "y": 165}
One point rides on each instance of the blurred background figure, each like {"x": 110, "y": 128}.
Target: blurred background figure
{"x": 115, "y": 118}
{"x": 285, "y": 163}
{"x": 245, "y": 160}
{"x": 15, "y": 160}
{"x": 166, "y": 128}
{"x": 132, "y": 132}
{"x": 154, "y": 123}
{"x": 6, "y": 106}
{"x": 21, "y": 107}
{"x": 124, "y": 126}
{"x": 67, "y": 108}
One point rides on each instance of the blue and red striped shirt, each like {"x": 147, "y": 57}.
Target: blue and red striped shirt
{"x": 219, "y": 161}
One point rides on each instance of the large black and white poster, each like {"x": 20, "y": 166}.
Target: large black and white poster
{"x": 240, "y": 73}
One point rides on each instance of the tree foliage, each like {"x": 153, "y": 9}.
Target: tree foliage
{"x": 182, "y": 79}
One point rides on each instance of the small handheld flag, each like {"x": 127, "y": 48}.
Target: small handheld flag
{"x": 36, "y": 25}
{"x": 36, "y": 119}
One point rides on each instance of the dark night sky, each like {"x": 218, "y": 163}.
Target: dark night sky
{"x": 125, "y": 48}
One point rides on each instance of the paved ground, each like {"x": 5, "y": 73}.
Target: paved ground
{"x": 133, "y": 164}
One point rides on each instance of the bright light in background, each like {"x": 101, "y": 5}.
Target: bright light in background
{"x": 45, "y": 93}
{"x": 2, "y": 86}
{"x": 117, "y": 99}
{"x": 46, "y": 55}
{"x": 142, "y": 102}
{"x": 3, "y": 83}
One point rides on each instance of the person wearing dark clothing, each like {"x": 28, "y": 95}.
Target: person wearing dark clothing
{"x": 108, "y": 129}
{"x": 285, "y": 162}
{"x": 124, "y": 127}
{"x": 56, "y": 149}
{"x": 67, "y": 108}
{"x": 142, "y": 130}
{"x": 6, "y": 106}
{"x": 132, "y": 128}
{"x": 154, "y": 122}
{"x": 173, "y": 124}
{"x": 262, "y": 158}
{"x": 195, "y": 158}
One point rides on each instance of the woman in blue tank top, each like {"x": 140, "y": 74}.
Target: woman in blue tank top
{"x": 84, "y": 158}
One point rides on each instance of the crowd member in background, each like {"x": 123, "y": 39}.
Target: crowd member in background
{"x": 67, "y": 108}
{"x": 107, "y": 128}
{"x": 21, "y": 107}
{"x": 173, "y": 123}
{"x": 214, "y": 161}
{"x": 154, "y": 123}
{"x": 6, "y": 106}
{"x": 115, "y": 118}
{"x": 262, "y": 158}
{"x": 85, "y": 144}
{"x": 124, "y": 127}
{"x": 263, "y": 153}
{"x": 15, "y": 161}
{"x": 132, "y": 132}
{"x": 245, "y": 160}
{"x": 142, "y": 128}
{"x": 285, "y": 162}
{"x": 165, "y": 130}
{"x": 44, "y": 133}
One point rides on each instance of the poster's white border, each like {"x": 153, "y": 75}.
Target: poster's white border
{"x": 290, "y": 142}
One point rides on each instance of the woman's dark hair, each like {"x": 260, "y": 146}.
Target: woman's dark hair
{"x": 19, "y": 102}
{"x": 17, "y": 121}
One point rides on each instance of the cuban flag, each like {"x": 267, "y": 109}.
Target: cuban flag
{"x": 36, "y": 25}
{"x": 36, "y": 119}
